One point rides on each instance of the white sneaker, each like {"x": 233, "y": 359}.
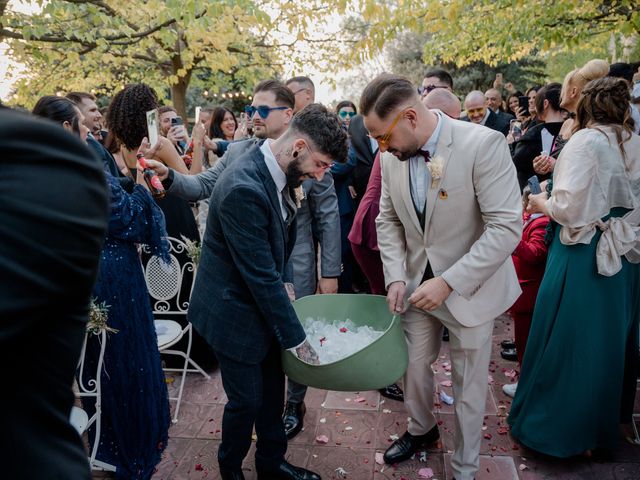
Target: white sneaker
{"x": 510, "y": 389}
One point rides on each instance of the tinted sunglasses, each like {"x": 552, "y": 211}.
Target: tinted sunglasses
{"x": 345, "y": 114}
{"x": 473, "y": 111}
{"x": 262, "y": 110}
{"x": 428, "y": 89}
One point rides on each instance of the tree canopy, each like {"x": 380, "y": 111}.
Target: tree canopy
{"x": 101, "y": 45}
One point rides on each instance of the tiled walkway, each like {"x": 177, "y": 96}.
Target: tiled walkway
{"x": 359, "y": 425}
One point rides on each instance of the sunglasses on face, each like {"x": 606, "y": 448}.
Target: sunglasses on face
{"x": 423, "y": 90}
{"x": 473, "y": 111}
{"x": 384, "y": 139}
{"x": 345, "y": 114}
{"x": 262, "y": 110}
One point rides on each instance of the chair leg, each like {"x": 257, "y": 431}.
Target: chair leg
{"x": 184, "y": 374}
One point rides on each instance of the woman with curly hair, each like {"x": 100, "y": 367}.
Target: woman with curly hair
{"x": 571, "y": 390}
{"x": 135, "y": 406}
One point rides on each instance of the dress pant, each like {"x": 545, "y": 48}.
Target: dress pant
{"x": 256, "y": 396}
{"x": 470, "y": 353}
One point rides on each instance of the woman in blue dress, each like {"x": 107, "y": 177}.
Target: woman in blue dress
{"x": 588, "y": 307}
{"x": 135, "y": 406}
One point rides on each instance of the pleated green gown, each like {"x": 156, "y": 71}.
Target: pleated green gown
{"x": 568, "y": 396}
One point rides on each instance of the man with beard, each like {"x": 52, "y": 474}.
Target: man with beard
{"x": 450, "y": 217}
{"x": 239, "y": 302}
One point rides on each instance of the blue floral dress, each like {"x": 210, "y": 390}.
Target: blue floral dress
{"x": 135, "y": 406}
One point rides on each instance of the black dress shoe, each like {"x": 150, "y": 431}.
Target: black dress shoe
{"x": 231, "y": 474}
{"x": 445, "y": 334}
{"x": 293, "y": 418}
{"x": 393, "y": 391}
{"x": 509, "y": 354}
{"x": 286, "y": 471}
{"x": 404, "y": 448}
{"x": 508, "y": 344}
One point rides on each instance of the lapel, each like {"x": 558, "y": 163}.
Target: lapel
{"x": 443, "y": 151}
{"x": 492, "y": 119}
{"x": 270, "y": 187}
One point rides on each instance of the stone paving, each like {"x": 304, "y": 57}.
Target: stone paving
{"x": 359, "y": 425}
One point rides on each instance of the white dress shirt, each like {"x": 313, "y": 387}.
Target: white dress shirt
{"x": 419, "y": 173}
{"x": 279, "y": 178}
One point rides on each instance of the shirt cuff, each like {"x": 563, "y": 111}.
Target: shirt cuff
{"x": 293, "y": 350}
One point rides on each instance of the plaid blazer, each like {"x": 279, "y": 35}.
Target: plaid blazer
{"x": 239, "y": 303}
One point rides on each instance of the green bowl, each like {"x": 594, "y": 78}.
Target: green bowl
{"x": 377, "y": 365}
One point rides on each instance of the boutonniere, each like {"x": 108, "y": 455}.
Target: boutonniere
{"x": 300, "y": 195}
{"x": 435, "y": 167}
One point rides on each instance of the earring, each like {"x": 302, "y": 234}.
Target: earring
{"x": 295, "y": 154}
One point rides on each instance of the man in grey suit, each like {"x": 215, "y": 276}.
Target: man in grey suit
{"x": 274, "y": 104}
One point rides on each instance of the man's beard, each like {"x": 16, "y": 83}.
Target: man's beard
{"x": 294, "y": 173}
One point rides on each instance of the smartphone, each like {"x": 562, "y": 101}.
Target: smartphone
{"x": 534, "y": 185}
{"x": 523, "y": 103}
{"x": 176, "y": 121}
{"x": 152, "y": 126}
{"x": 197, "y": 115}
{"x": 515, "y": 127}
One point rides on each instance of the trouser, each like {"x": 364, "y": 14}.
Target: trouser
{"x": 255, "y": 393}
{"x": 470, "y": 353}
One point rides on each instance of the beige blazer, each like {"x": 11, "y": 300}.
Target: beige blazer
{"x": 473, "y": 222}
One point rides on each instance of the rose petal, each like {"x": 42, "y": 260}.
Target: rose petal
{"x": 379, "y": 458}
{"x": 503, "y": 430}
{"x": 522, "y": 467}
{"x": 446, "y": 383}
{"x": 322, "y": 439}
{"x": 425, "y": 473}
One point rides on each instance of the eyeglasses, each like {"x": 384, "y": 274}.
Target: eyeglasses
{"x": 319, "y": 163}
{"x": 423, "y": 90}
{"x": 262, "y": 110}
{"x": 473, "y": 111}
{"x": 383, "y": 140}
{"x": 345, "y": 114}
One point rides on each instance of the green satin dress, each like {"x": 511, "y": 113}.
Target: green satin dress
{"x": 570, "y": 387}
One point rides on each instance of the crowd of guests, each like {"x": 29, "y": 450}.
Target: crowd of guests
{"x": 576, "y": 152}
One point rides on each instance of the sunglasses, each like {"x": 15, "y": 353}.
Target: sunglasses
{"x": 384, "y": 139}
{"x": 345, "y": 114}
{"x": 428, "y": 89}
{"x": 473, "y": 111}
{"x": 262, "y": 110}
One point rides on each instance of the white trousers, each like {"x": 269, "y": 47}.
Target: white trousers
{"x": 470, "y": 355}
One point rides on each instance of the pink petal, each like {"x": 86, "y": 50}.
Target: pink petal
{"x": 379, "y": 458}
{"x": 322, "y": 439}
{"x": 425, "y": 473}
{"x": 446, "y": 383}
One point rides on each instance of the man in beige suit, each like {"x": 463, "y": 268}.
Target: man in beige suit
{"x": 450, "y": 217}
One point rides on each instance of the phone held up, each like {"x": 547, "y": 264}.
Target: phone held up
{"x": 523, "y": 103}
{"x": 515, "y": 129}
{"x": 534, "y": 185}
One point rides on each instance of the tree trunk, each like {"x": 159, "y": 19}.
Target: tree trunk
{"x": 179, "y": 98}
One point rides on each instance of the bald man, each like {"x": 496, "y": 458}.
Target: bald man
{"x": 478, "y": 113}
{"x": 443, "y": 100}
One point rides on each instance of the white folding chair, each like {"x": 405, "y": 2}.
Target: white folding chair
{"x": 165, "y": 283}
{"x": 91, "y": 388}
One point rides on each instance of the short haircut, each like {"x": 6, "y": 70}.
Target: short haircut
{"x": 166, "y": 108}
{"x": 475, "y": 95}
{"x": 283, "y": 95}
{"x": 621, "y": 70}
{"x": 77, "y": 97}
{"x": 324, "y": 129}
{"x": 302, "y": 80}
{"x": 443, "y": 100}
{"x": 385, "y": 93}
{"x": 551, "y": 93}
{"x": 441, "y": 75}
